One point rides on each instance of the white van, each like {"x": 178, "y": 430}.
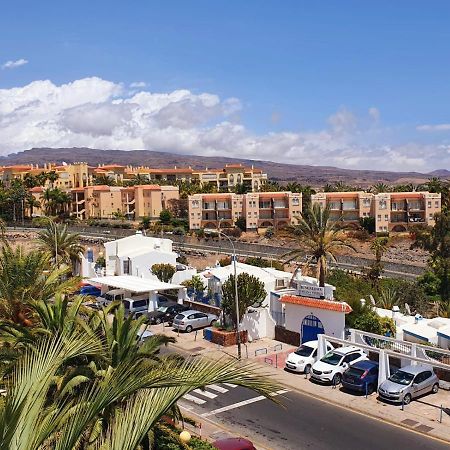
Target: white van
{"x": 136, "y": 306}
{"x": 114, "y": 295}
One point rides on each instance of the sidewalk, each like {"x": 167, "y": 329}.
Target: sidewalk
{"x": 421, "y": 416}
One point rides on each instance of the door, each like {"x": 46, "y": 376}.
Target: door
{"x": 202, "y": 320}
{"x": 311, "y": 327}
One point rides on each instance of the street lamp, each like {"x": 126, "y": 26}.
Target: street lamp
{"x": 236, "y": 295}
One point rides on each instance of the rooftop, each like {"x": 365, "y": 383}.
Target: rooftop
{"x": 329, "y": 305}
{"x": 134, "y": 284}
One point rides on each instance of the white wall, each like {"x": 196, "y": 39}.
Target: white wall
{"x": 136, "y": 242}
{"x": 258, "y": 324}
{"x": 332, "y": 321}
{"x": 141, "y": 264}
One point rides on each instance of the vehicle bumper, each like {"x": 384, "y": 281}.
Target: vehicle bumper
{"x": 395, "y": 398}
{"x": 323, "y": 378}
{"x": 177, "y": 326}
{"x": 294, "y": 367}
{"x": 354, "y": 387}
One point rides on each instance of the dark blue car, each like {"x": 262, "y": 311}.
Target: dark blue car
{"x": 361, "y": 376}
{"x": 90, "y": 290}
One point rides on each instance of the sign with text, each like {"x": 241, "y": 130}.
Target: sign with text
{"x": 309, "y": 290}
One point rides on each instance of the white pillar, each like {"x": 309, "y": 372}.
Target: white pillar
{"x": 153, "y": 301}
{"x": 321, "y": 346}
{"x": 414, "y": 354}
{"x": 383, "y": 367}
{"x": 182, "y": 295}
{"x": 352, "y": 336}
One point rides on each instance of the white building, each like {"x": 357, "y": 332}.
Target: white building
{"x": 260, "y": 322}
{"x": 136, "y": 254}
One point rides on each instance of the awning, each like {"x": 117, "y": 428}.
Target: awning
{"x": 134, "y": 284}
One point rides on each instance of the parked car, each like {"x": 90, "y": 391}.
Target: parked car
{"x": 362, "y": 376}
{"x": 190, "y": 320}
{"x": 88, "y": 289}
{"x": 114, "y": 295}
{"x": 304, "y": 357}
{"x": 330, "y": 368}
{"x": 166, "y": 313}
{"x": 233, "y": 444}
{"x": 144, "y": 335}
{"x": 409, "y": 382}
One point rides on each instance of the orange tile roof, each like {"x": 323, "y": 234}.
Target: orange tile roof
{"x": 330, "y": 305}
{"x": 154, "y": 187}
{"x": 18, "y": 167}
{"x": 37, "y": 189}
{"x": 112, "y": 166}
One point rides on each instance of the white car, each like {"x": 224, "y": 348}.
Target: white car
{"x": 304, "y": 357}
{"x": 330, "y": 368}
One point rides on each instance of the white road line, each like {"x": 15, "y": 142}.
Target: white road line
{"x": 205, "y": 393}
{"x": 217, "y": 388}
{"x": 243, "y": 403}
{"x": 191, "y": 398}
{"x": 230, "y": 385}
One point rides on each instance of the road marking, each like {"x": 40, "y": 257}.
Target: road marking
{"x": 191, "y": 398}
{"x": 205, "y": 393}
{"x": 243, "y": 403}
{"x": 230, "y": 385}
{"x": 217, "y": 388}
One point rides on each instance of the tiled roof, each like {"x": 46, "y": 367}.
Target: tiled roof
{"x": 317, "y": 303}
{"x": 37, "y": 189}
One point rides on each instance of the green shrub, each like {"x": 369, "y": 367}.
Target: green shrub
{"x": 269, "y": 233}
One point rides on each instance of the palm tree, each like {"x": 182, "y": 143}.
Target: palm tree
{"x": 321, "y": 236}
{"x": 379, "y": 188}
{"x": 27, "y": 277}
{"x": 63, "y": 246}
{"x": 117, "y": 411}
{"x": 379, "y": 247}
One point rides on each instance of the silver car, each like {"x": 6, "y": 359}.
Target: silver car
{"x": 409, "y": 382}
{"x": 191, "y": 320}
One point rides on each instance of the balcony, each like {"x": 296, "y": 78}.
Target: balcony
{"x": 265, "y": 205}
{"x": 223, "y": 206}
{"x": 265, "y": 215}
{"x": 211, "y": 206}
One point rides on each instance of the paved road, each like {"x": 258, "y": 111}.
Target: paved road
{"x": 302, "y": 423}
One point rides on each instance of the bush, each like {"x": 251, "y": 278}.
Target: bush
{"x": 368, "y": 320}
{"x": 368, "y": 224}
{"x": 260, "y": 262}
{"x": 164, "y": 272}
{"x": 200, "y": 233}
{"x": 241, "y": 223}
{"x": 269, "y": 233}
{"x": 361, "y": 234}
{"x": 182, "y": 259}
{"x": 226, "y": 261}
{"x": 165, "y": 216}
{"x": 179, "y": 231}
{"x": 40, "y": 222}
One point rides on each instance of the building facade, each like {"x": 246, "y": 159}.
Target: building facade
{"x": 259, "y": 209}
{"x": 392, "y": 211}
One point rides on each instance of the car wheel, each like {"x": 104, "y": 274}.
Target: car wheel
{"x": 435, "y": 388}
{"x": 370, "y": 389}
{"x": 337, "y": 379}
{"x": 407, "y": 399}
{"x": 188, "y": 329}
{"x": 308, "y": 368}
{"x": 213, "y": 322}
{"x": 157, "y": 321}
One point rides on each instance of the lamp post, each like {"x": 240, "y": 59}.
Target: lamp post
{"x": 236, "y": 295}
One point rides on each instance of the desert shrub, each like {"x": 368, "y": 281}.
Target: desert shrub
{"x": 232, "y": 232}
{"x": 241, "y": 223}
{"x": 269, "y": 233}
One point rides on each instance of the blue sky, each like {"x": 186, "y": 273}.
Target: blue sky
{"x": 357, "y": 81}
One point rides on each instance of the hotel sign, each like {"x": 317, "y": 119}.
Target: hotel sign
{"x": 308, "y": 290}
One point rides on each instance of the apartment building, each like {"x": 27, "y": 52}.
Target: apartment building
{"x": 260, "y": 209}
{"x": 105, "y": 202}
{"x": 68, "y": 176}
{"x": 223, "y": 180}
{"x": 393, "y": 211}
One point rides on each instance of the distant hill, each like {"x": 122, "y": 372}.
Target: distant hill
{"x": 313, "y": 175}
{"x": 441, "y": 173}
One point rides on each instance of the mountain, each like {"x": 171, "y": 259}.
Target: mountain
{"x": 313, "y": 175}
{"x": 441, "y": 173}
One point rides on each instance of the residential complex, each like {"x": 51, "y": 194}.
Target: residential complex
{"x": 77, "y": 175}
{"x": 259, "y": 209}
{"x": 109, "y": 201}
{"x": 393, "y": 211}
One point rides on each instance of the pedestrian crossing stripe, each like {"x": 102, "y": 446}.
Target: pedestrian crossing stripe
{"x": 217, "y": 388}
{"x": 191, "y": 398}
{"x": 230, "y": 385}
{"x": 205, "y": 393}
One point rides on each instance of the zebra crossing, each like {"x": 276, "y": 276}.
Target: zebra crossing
{"x": 200, "y": 396}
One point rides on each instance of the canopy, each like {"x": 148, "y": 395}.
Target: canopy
{"x": 134, "y": 284}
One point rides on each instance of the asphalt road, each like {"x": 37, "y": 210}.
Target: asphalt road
{"x": 304, "y": 423}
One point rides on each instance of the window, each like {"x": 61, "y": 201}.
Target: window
{"x": 126, "y": 266}
{"x": 436, "y": 204}
{"x": 383, "y": 204}
{"x": 429, "y": 204}
{"x": 386, "y": 217}
{"x": 379, "y": 217}
{"x": 191, "y": 316}
{"x": 366, "y": 202}
{"x": 200, "y": 315}
{"x": 249, "y": 214}
{"x": 140, "y": 304}
{"x": 295, "y": 201}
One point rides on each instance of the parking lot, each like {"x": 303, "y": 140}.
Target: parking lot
{"x": 422, "y": 414}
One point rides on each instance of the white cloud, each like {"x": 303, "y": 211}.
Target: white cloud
{"x": 138, "y": 84}
{"x": 93, "y": 112}
{"x": 14, "y": 64}
{"x": 438, "y": 127}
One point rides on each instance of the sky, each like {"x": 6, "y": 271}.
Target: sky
{"x": 345, "y": 83}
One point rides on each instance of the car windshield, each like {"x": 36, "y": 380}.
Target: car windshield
{"x": 304, "y": 350}
{"x": 179, "y": 317}
{"x": 355, "y": 372}
{"x": 401, "y": 377}
{"x": 332, "y": 358}
{"x": 162, "y": 309}
{"x": 109, "y": 297}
